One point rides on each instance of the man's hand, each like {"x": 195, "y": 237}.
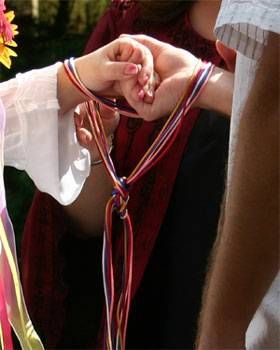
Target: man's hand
{"x": 174, "y": 67}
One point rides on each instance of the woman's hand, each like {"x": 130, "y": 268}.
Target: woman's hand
{"x": 122, "y": 59}
{"x": 101, "y": 71}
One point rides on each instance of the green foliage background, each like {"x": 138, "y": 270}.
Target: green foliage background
{"x": 58, "y": 30}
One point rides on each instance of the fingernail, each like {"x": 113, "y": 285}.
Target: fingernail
{"x": 131, "y": 69}
{"x": 139, "y": 66}
{"x": 150, "y": 93}
{"x": 145, "y": 79}
{"x": 141, "y": 94}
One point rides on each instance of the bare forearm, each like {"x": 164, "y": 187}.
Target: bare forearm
{"x": 247, "y": 259}
{"x": 88, "y": 211}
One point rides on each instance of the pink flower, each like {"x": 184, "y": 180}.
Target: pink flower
{"x": 6, "y": 30}
{"x": 2, "y": 5}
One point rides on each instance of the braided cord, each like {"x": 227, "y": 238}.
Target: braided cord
{"x": 69, "y": 66}
{"x": 117, "y": 303}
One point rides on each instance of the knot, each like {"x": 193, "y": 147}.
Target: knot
{"x": 121, "y": 197}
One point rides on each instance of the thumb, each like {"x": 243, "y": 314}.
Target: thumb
{"x": 120, "y": 70}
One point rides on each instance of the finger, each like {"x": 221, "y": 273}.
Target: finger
{"x": 143, "y": 56}
{"x": 150, "y": 88}
{"x": 147, "y": 77}
{"x": 137, "y": 93}
{"x": 84, "y": 137}
{"x": 78, "y": 117}
{"x": 148, "y": 97}
{"x": 154, "y": 45}
{"x": 166, "y": 96}
{"x": 77, "y": 120}
{"x": 131, "y": 92}
{"x": 120, "y": 70}
{"x": 140, "y": 55}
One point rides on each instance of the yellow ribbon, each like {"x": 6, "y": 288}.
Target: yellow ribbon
{"x": 18, "y": 315}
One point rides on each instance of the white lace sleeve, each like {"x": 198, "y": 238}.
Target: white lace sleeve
{"x": 40, "y": 142}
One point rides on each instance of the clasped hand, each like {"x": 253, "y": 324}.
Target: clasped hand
{"x": 149, "y": 74}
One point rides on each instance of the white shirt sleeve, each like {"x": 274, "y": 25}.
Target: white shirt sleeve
{"x": 244, "y": 24}
{"x": 39, "y": 141}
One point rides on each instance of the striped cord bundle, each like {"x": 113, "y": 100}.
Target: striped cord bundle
{"x": 118, "y": 302}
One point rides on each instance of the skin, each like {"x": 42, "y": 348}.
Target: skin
{"x": 200, "y": 25}
{"x": 246, "y": 257}
{"x": 101, "y": 70}
{"x": 174, "y": 81}
{"x": 175, "y": 68}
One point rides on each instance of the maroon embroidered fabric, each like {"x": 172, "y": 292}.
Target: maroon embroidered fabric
{"x": 42, "y": 263}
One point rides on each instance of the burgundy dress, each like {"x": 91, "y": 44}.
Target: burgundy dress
{"x": 171, "y": 248}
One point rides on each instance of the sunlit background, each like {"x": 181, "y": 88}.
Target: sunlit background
{"x": 49, "y": 30}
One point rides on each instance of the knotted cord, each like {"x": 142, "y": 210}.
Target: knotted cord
{"x": 118, "y": 304}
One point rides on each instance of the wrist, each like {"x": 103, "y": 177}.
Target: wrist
{"x": 67, "y": 94}
{"x": 85, "y": 67}
{"x": 217, "y": 94}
